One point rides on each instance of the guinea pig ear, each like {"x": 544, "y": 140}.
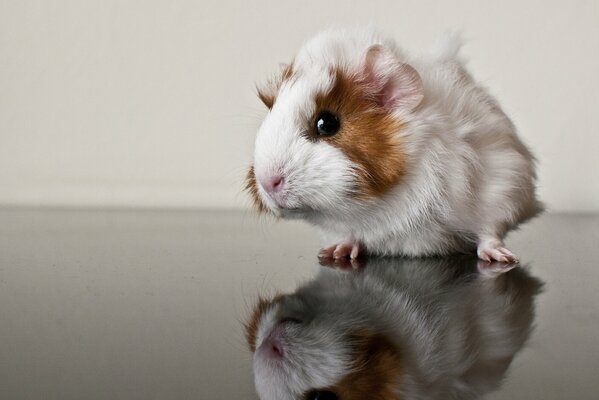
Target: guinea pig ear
{"x": 268, "y": 91}
{"x": 393, "y": 84}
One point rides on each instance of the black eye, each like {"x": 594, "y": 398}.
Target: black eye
{"x": 322, "y": 395}
{"x": 327, "y": 124}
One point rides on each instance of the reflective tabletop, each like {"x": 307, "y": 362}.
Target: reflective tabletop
{"x": 152, "y": 305}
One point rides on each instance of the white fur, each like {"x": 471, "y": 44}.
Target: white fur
{"x": 470, "y": 179}
{"x": 456, "y": 331}
{"x": 312, "y": 359}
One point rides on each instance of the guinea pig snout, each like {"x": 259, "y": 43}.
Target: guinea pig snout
{"x": 273, "y": 184}
{"x": 275, "y": 187}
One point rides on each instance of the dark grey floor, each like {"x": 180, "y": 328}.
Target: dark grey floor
{"x": 147, "y": 305}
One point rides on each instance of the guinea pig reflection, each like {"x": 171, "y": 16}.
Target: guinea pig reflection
{"x": 394, "y": 329}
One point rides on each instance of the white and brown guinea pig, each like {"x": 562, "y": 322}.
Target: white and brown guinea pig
{"x": 390, "y": 154}
{"x": 420, "y": 328}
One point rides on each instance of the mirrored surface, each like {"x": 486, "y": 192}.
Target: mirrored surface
{"x": 393, "y": 328}
{"x": 128, "y": 305}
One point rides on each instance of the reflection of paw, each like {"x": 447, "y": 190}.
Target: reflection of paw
{"x": 494, "y": 269}
{"x": 494, "y": 251}
{"x": 344, "y": 264}
{"x": 350, "y": 250}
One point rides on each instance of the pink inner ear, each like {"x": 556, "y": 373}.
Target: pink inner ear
{"x": 393, "y": 85}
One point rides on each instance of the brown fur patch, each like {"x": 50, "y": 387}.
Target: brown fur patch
{"x": 376, "y": 371}
{"x": 268, "y": 92}
{"x": 252, "y": 323}
{"x": 367, "y": 133}
{"x": 251, "y": 186}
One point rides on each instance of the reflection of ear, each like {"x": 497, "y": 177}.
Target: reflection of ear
{"x": 268, "y": 91}
{"x": 253, "y": 322}
{"x": 393, "y": 85}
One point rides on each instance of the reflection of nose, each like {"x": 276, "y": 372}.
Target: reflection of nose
{"x": 272, "y": 348}
{"x": 273, "y": 184}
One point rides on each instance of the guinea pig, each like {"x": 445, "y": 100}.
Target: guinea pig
{"x": 400, "y": 328}
{"x": 390, "y": 154}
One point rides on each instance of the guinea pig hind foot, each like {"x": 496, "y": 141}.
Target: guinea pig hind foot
{"x": 492, "y": 249}
{"x": 349, "y": 249}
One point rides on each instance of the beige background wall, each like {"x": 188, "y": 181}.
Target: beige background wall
{"x": 151, "y": 103}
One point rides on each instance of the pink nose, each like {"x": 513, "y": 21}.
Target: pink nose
{"x": 273, "y": 184}
{"x": 272, "y": 348}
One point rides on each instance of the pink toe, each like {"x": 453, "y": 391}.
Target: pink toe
{"x": 355, "y": 252}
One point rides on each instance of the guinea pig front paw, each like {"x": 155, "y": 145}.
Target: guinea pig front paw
{"x": 343, "y": 264}
{"x": 494, "y": 250}
{"x": 348, "y": 249}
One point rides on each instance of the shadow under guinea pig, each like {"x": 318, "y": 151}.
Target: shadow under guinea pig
{"x": 392, "y": 329}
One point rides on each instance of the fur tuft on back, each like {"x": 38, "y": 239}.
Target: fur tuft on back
{"x": 447, "y": 46}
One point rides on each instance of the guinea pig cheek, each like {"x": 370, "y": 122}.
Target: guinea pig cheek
{"x": 316, "y": 176}
{"x": 325, "y": 177}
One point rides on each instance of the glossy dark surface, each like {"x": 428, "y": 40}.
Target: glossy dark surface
{"x": 147, "y": 305}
